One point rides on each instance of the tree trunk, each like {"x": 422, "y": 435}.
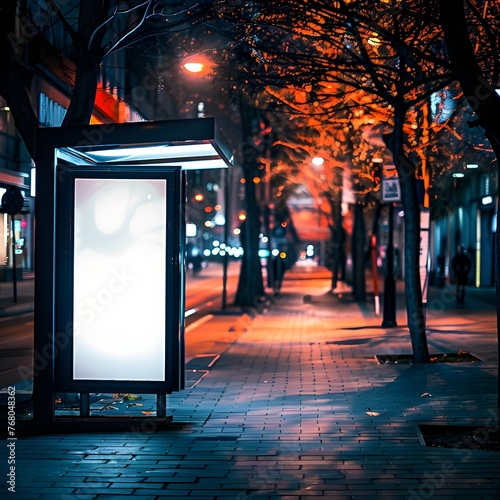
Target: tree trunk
{"x": 413, "y": 291}
{"x": 84, "y": 91}
{"x": 484, "y": 101}
{"x": 88, "y": 57}
{"x": 338, "y": 244}
{"x": 250, "y": 284}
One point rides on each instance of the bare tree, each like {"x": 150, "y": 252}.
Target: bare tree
{"x": 94, "y": 31}
{"x": 393, "y": 53}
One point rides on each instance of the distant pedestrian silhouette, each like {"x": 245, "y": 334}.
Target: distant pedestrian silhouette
{"x": 338, "y": 258}
{"x": 461, "y": 265}
{"x": 278, "y": 269}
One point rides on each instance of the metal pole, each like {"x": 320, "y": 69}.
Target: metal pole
{"x": 225, "y": 261}
{"x": 389, "y": 320}
{"x": 161, "y": 405}
{"x": 13, "y": 241}
{"x": 84, "y": 404}
{"x": 373, "y": 245}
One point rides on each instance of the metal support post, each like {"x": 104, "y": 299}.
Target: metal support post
{"x": 389, "y": 318}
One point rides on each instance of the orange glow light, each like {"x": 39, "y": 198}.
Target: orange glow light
{"x": 194, "y": 67}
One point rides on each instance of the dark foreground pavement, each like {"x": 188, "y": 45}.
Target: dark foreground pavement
{"x": 295, "y": 406}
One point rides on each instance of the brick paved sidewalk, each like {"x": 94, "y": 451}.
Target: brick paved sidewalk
{"x": 295, "y": 407}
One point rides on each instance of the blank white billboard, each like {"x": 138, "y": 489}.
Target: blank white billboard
{"x": 119, "y": 301}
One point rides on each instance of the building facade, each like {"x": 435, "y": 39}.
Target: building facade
{"x": 471, "y": 223}
{"x": 50, "y": 95}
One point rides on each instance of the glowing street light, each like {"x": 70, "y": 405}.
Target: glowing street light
{"x": 194, "y": 67}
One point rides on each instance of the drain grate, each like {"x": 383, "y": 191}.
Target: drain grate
{"x": 447, "y": 357}
{"x": 460, "y": 436}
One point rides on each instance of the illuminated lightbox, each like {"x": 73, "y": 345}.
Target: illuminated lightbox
{"x": 119, "y": 279}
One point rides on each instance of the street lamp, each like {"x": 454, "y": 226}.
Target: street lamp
{"x": 198, "y": 63}
{"x": 201, "y": 67}
{"x": 389, "y": 282}
{"x": 389, "y": 311}
{"x": 194, "y": 67}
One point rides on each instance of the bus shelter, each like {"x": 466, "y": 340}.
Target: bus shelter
{"x": 109, "y": 260}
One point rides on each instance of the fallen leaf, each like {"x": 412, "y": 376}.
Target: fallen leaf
{"x": 131, "y": 397}
{"x": 144, "y": 412}
{"x": 425, "y": 395}
{"x": 373, "y": 413}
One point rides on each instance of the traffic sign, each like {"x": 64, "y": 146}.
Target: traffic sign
{"x": 391, "y": 190}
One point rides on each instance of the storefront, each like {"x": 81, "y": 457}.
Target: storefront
{"x": 472, "y": 224}
{"x": 16, "y": 230}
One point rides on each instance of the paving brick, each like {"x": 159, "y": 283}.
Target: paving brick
{"x": 282, "y": 415}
